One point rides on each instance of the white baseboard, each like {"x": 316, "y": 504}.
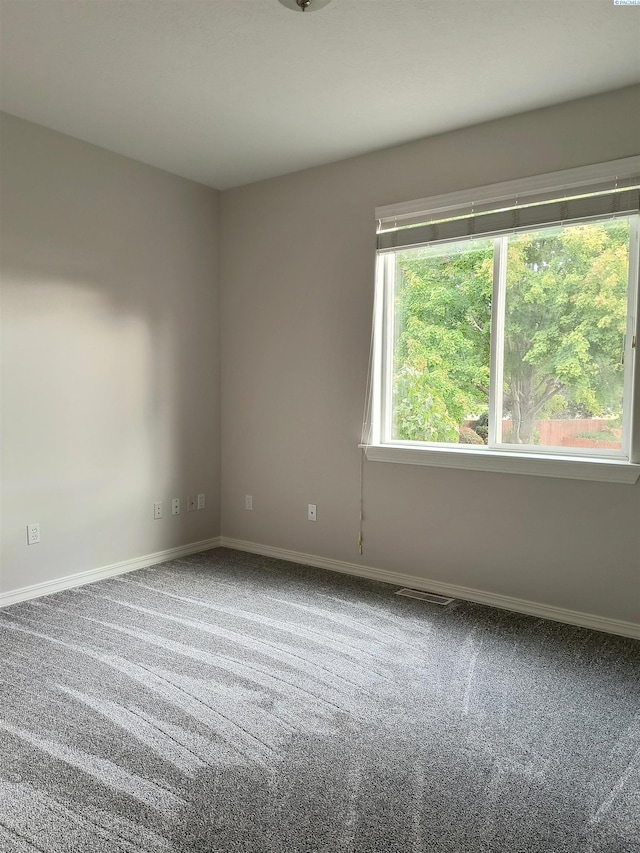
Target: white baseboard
{"x": 504, "y": 602}
{"x": 47, "y": 587}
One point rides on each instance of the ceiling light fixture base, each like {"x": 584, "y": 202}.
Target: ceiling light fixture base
{"x": 305, "y": 5}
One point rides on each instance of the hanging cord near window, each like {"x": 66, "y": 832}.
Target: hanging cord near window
{"x": 361, "y": 499}
{"x": 367, "y": 423}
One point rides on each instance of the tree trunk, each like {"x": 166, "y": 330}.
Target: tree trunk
{"x": 524, "y": 406}
{"x": 528, "y": 398}
{"x": 526, "y": 425}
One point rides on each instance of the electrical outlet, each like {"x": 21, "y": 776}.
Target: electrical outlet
{"x": 248, "y": 502}
{"x": 192, "y": 504}
{"x": 201, "y": 501}
{"x": 312, "y": 512}
{"x": 157, "y": 510}
{"x": 175, "y": 506}
{"x": 33, "y": 534}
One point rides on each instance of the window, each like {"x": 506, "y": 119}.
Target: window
{"x": 505, "y": 328}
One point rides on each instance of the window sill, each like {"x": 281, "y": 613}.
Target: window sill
{"x": 536, "y": 464}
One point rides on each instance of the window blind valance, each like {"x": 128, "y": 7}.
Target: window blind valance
{"x": 507, "y": 214}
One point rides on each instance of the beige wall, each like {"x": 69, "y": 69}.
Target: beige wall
{"x": 297, "y": 271}
{"x": 110, "y": 374}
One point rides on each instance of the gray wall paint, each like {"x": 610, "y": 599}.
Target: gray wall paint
{"x": 110, "y": 356}
{"x": 110, "y": 369}
{"x": 297, "y": 271}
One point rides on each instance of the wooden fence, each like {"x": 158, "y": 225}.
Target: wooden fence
{"x": 578, "y": 432}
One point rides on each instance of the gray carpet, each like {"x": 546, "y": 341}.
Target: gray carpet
{"x": 226, "y": 703}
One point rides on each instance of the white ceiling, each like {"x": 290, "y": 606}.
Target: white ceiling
{"x": 232, "y": 91}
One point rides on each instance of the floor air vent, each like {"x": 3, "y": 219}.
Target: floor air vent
{"x": 425, "y": 596}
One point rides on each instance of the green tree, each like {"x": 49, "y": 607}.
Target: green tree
{"x": 564, "y": 326}
{"x": 565, "y": 323}
{"x": 443, "y": 314}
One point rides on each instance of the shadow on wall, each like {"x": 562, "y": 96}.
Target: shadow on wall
{"x": 86, "y": 414}
{"x": 108, "y": 271}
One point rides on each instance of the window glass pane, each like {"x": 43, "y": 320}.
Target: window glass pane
{"x": 565, "y": 321}
{"x": 442, "y": 313}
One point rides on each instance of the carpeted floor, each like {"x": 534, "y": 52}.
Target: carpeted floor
{"x": 226, "y": 702}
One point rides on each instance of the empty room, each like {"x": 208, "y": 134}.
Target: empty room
{"x": 320, "y": 413}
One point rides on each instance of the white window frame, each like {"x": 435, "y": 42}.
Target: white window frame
{"x": 600, "y": 465}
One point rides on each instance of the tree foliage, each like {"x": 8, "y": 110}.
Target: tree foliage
{"x": 565, "y": 318}
{"x": 443, "y": 313}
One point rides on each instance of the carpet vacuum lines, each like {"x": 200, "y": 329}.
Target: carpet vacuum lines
{"x": 231, "y": 703}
